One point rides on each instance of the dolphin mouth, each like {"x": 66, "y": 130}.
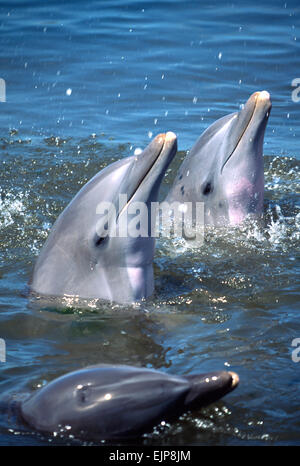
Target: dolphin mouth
{"x": 258, "y": 103}
{"x": 163, "y": 140}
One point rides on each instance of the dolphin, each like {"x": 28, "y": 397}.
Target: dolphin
{"x": 224, "y": 169}
{"x": 117, "y": 401}
{"x": 84, "y": 255}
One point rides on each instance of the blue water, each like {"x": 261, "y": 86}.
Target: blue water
{"x": 135, "y": 67}
{"x": 87, "y": 83}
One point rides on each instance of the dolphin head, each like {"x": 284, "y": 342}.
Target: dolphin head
{"x": 224, "y": 169}
{"x": 90, "y": 252}
{"x": 242, "y": 170}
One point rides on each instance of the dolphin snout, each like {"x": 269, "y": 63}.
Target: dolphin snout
{"x": 170, "y": 136}
{"x": 260, "y": 101}
{"x": 254, "y": 113}
{"x": 235, "y": 379}
{"x": 263, "y": 101}
{"x": 264, "y": 95}
{"x": 160, "y": 138}
{"x": 258, "y": 97}
{"x": 165, "y": 138}
{"x": 209, "y": 387}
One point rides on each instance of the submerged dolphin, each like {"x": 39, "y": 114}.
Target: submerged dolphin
{"x": 82, "y": 257}
{"x": 118, "y": 401}
{"x": 224, "y": 169}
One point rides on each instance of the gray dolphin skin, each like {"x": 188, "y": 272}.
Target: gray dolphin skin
{"x": 224, "y": 169}
{"x": 80, "y": 258}
{"x": 108, "y": 402}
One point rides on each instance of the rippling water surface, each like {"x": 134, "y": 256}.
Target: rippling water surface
{"x": 86, "y": 84}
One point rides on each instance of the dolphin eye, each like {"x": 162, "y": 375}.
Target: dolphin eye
{"x": 207, "y": 188}
{"x": 100, "y": 240}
